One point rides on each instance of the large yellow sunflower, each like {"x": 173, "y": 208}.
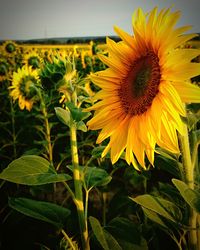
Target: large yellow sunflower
{"x": 145, "y": 88}
{"x": 23, "y": 88}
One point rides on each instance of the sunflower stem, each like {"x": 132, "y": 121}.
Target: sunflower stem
{"x": 189, "y": 179}
{"x": 47, "y": 127}
{"x": 78, "y": 187}
{"x": 68, "y": 240}
{"x": 13, "y": 130}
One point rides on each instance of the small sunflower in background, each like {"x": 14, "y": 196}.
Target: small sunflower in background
{"x": 144, "y": 90}
{"x": 66, "y": 85}
{"x": 10, "y": 48}
{"x": 5, "y": 69}
{"x": 33, "y": 59}
{"x": 24, "y": 87}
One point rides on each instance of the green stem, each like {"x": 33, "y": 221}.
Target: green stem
{"x": 13, "y": 130}
{"x": 189, "y": 179}
{"x": 78, "y": 187}
{"x": 104, "y": 197}
{"x": 86, "y": 209}
{"x": 70, "y": 191}
{"x": 47, "y": 127}
{"x": 68, "y": 240}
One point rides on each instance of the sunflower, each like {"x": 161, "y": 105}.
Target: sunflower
{"x": 24, "y": 84}
{"x": 33, "y": 59}
{"x": 145, "y": 88}
{"x": 5, "y": 68}
{"x": 10, "y": 47}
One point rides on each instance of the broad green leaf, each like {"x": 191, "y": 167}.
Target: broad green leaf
{"x": 81, "y": 126}
{"x": 192, "y": 197}
{"x": 63, "y": 115}
{"x": 32, "y": 170}
{"x": 94, "y": 176}
{"x": 167, "y": 163}
{"x": 124, "y": 229}
{"x": 77, "y": 113}
{"x": 131, "y": 246}
{"x": 160, "y": 206}
{"x": 119, "y": 204}
{"x": 154, "y": 217}
{"x": 169, "y": 192}
{"x": 41, "y": 210}
{"x": 112, "y": 242}
{"x": 98, "y": 232}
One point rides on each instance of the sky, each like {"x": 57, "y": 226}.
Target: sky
{"x": 33, "y": 19}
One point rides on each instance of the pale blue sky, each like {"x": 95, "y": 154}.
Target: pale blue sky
{"x": 29, "y": 19}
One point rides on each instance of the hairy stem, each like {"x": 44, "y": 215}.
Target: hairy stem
{"x": 13, "y": 130}
{"x": 47, "y": 127}
{"x": 78, "y": 187}
{"x": 189, "y": 179}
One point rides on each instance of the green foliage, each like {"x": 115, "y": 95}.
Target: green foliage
{"x": 32, "y": 170}
{"x": 77, "y": 114}
{"x": 98, "y": 232}
{"x": 63, "y": 115}
{"x": 94, "y": 177}
{"x": 41, "y": 210}
{"x": 160, "y": 206}
{"x": 127, "y": 233}
{"x": 192, "y": 197}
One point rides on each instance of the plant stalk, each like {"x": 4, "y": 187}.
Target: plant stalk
{"x": 189, "y": 179}
{"x": 78, "y": 187}
{"x": 13, "y": 130}
{"x": 47, "y": 127}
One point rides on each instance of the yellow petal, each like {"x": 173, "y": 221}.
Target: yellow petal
{"x": 109, "y": 128}
{"x": 170, "y": 92}
{"x": 188, "y": 92}
{"x": 113, "y": 64}
{"x": 129, "y": 40}
{"x": 119, "y": 140}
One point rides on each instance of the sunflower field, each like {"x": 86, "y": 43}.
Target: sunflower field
{"x": 99, "y": 141}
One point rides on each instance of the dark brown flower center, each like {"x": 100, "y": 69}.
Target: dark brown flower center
{"x": 140, "y": 86}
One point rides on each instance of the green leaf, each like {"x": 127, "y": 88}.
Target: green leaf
{"x": 192, "y": 197}
{"x": 112, "y": 242}
{"x": 81, "y": 126}
{"x": 97, "y": 151}
{"x": 191, "y": 120}
{"x": 160, "y": 206}
{"x": 124, "y": 229}
{"x": 196, "y": 136}
{"x": 167, "y": 163}
{"x": 154, "y": 217}
{"x": 98, "y": 232}
{"x": 63, "y": 115}
{"x": 32, "y": 170}
{"x": 119, "y": 204}
{"x": 94, "y": 177}
{"x": 41, "y": 210}
{"x": 127, "y": 234}
{"x": 77, "y": 113}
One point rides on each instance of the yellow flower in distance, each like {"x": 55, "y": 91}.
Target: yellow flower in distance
{"x": 33, "y": 59}
{"x": 10, "y": 47}
{"x": 23, "y": 88}
{"x": 144, "y": 88}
